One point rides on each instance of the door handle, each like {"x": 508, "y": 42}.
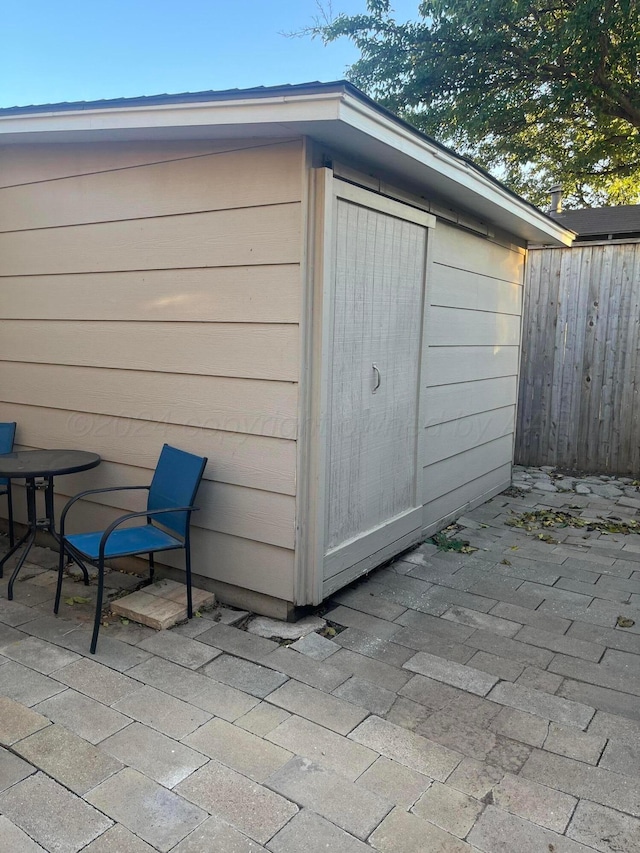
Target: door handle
{"x": 377, "y": 378}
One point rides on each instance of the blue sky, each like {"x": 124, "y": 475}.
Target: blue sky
{"x": 68, "y": 50}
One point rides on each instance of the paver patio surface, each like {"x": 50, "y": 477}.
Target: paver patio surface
{"x": 485, "y": 701}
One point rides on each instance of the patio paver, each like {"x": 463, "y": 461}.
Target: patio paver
{"x": 467, "y": 703}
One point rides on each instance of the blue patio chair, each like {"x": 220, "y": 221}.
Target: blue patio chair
{"x": 7, "y": 435}
{"x": 167, "y": 517}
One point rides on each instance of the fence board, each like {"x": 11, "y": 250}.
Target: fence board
{"x": 579, "y": 400}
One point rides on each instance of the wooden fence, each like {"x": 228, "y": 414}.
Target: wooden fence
{"x": 579, "y": 398}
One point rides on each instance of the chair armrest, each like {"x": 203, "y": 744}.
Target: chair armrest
{"x": 144, "y": 514}
{"x": 77, "y": 497}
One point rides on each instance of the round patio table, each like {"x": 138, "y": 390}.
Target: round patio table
{"x": 32, "y": 465}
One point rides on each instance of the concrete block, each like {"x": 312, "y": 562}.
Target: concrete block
{"x": 83, "y": 716}
{"x": 407, "y": 748}
{"x": 249, "y": 807}
{"x": 315, "y": 646}
{"x": 97, "y": 681}
{"x": 14, "y": 839}
{"x": 317, "y": 706}
{"x": 244, "y": 675}
{"x": 36, "y": 805}
{"x": 394, "y": 782}
{"x": 537, "y": 803}
{"x": 542, "y": 704}
{"x": 449, "y": 809}
{"x": 158, "y": 816}
{"x": 12, "y": 770}
{"x": 162, "y": 712}
{"x": 216, "y": 836}
{"x": 17, "y": 721}
{"x": 400, "y": 832}
{"x": 239, "y": 749}
{"x": 583, "y": 781}
{"x": 313, "y": 834}
{"x": 69, "y": 759}
{"x": 181, "y": 650}
{"x": 354, "y": 809}
{"x": 497, "y": 831}
{"x": 322, "y": 746}
{"x": 454, "y": 674}
{"x": 160, "y": 758}
{"x": 484, "y": 621}
{"x": 572, "y": 743}
{"x": 604, "y": 829}
{"x": 363, "y": 693}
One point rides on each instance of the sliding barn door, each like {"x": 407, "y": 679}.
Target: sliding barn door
{"x": 373, "y": 495}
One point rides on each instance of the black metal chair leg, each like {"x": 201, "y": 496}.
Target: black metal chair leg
{"x": 29, "y": 542}
{"x": 152, "y": 566}
{"x": 188, "y": 573}
{"x": 98, "y": 616}
{"x": 56, "y": 603}
{"x": 12, "y": 536}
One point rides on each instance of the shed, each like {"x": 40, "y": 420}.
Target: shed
{"x": 289, "y": 280}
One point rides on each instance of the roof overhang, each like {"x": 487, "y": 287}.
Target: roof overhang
{"x": 336, "y": 115}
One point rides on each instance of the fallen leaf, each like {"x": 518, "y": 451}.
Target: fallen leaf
{"x": 76, "y": 599}
{"x": 624, "y": 622}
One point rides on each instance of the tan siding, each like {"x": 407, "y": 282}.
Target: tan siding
{"x": 255, "y": 235}
{"x": 461, "y": 399}
{"x": 260, "y": 294}
{"x": 153, "y": 294}
{"x": 448, "y": 365}
{"x": 246, "y": 350}
{"x": 463, "y": 250}
{"x": 471, "y": 493}
{"x": 200, "y": 183}
{"x": 461, "y": 327}
{"x": 470, "y": 387}
{"x": 455, "y": 437}
{"x": 454, "y": 288}
{"x": 255, "y": 461}
{"x": 245, "y": 406}
{"x": 28, "y": 164}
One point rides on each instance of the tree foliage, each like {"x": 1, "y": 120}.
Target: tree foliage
{"x": 537, "y": 91}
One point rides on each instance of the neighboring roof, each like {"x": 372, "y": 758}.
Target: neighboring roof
{"x": 336, "y": 114}
{"x": 607, "y": 223}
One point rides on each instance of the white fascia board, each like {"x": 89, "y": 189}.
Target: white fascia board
{"x": 457, "y": 172}
{"x": 276, "y": 110}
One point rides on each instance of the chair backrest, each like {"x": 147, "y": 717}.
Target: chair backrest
{"x": 7, "y": 435}
{"x": 175, "y": 483}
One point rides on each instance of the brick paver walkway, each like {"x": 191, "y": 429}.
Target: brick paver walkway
{"x": 474, "y": 702}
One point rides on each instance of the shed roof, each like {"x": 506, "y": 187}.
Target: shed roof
{"x": 336, "y": 114}
{"x": 602, "y": 222}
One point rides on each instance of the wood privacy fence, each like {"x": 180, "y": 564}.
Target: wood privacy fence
{"x": 579, "y": 398}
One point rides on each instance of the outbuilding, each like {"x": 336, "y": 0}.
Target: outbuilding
{"x": 288, "y": 280}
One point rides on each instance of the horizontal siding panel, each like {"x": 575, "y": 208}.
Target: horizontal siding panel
{"x": 261, "y": 294}
{"x": 245, "y": 563}
{"x": 254, "y": 407}
{"x": 247, "y": 513}
{"x": 257, "y": 235}
{"x": 449, "y": 474}
{"x": 454, "y": 288}
{"x": 447, "y": 365}
{"x": 450, "y": 402}
{"x": 458, "y": 500}
{"x": 461, "y": 327}
{"x": 445, "y": 440}
{"x": 246, "y": 350}
{"x": 269, "y": 175}
{"x": 258, "y": 462}
{"x": 457, "y": 248}
{"x": 22, "y": 164}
